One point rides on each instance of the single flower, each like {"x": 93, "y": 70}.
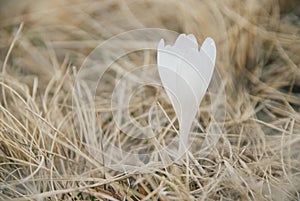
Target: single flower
{"x": 185, "y": 73}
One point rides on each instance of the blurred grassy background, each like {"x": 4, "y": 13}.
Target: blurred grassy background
{"x": 258, "y": 156}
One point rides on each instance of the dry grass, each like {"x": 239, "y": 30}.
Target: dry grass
{"x": 42, "y": 46}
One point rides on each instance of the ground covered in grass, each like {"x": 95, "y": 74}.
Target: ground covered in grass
{"x": 44, "y": 152}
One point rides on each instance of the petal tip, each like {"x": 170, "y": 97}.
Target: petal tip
{"x": 180, "y": 38}
{"x": 192, "y": 38}
{"x": 185, "y": 42}
{"x": 161, "y": 44}
{"x": 209, "y": 47}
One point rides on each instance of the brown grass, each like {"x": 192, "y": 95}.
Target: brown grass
{"x": 42, "y": 46}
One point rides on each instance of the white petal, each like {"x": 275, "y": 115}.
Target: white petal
{"x": 193, "y": 38}
{"x": 161, "y": 44}
{"x": 209, "y": 47}
{"x": 184, "y": 42}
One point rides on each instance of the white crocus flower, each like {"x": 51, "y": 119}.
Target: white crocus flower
{"x": 185, "y": 73}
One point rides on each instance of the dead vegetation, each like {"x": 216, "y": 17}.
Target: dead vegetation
{"x": 42, "y": 46}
